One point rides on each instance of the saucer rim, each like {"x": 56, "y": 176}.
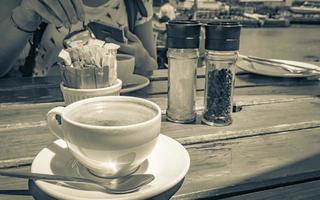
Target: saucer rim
{"x": 135, "y": 88}
{"x": 151, "y": 193}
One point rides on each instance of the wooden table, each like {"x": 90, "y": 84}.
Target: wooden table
{"x": 271, "y": 151}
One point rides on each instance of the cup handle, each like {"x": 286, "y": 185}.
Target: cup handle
{"x": 53, "y": 123}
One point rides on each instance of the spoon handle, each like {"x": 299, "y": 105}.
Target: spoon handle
{"x": 121, "y": 185}
{"x": 36, "y": 176}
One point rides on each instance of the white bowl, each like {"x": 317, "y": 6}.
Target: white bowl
{"x": 71, "y": 95}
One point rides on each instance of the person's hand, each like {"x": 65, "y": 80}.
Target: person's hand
{"x": 58, "y": 12}
{"x": 144, "y": 63}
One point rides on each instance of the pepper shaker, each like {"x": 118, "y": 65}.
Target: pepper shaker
{"x": 183, "y": 56}
{"x": 222, "y": 45}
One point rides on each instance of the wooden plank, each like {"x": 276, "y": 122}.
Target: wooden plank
{"x": 303, "y": 186}
{"x": 24, "y": 83}
{"x": 38, "y": 90}
{"x": 306, "y": 191}
{"x": 15, "y": 188}
{"x": 219, "y": 166}
{"x": 35, "y": 95}
{"x": 44, "y": 95}
{"x": 239, "y": 166}
{"x": 250, "y": 121}
{"x": 265, "y": 118}
{"x": 19, "y": 196}
{"x": 276, "y": 187}
{"x": 242, "y": 81}
{"x": 20, "y": 114}
{"x": 23, "y": 143}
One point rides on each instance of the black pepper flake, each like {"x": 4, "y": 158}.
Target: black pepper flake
{"x": 219, "y": 94}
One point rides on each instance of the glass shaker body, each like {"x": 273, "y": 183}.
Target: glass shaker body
{"x": 222, "y": 45}
{"x": 218, "y": 97}
{"x": 183, "y": 55}
{"x": 182, "y": 84}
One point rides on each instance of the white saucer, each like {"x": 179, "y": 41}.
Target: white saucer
{"x": 134, "y": 83}
{"x": 269, "y": 70}
{"x": 169, "y": 163}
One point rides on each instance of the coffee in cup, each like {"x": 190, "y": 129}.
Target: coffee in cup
{"x": 111, "y": 135}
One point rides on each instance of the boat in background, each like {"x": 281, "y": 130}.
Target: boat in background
{"x": 308, "y": 7}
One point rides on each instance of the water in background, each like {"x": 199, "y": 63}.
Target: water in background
{"x": 292, "y": 43}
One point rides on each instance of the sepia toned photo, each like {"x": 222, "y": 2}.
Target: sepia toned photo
{"x": 159, "y": 99}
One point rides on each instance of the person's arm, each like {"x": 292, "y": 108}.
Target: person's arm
{"x": 17, "y": 27}
{"x": 12, "y": 43}
{"x": 145, "y": 34}
{"x": 144, "y": 62}
{"x": 8, "y": 46}
{"x": 141, "y": 43}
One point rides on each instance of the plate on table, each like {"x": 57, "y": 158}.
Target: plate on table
{"x": 169, "y": 162}
{"x": 270, "y": 70}
{"x": 133, "y": 83}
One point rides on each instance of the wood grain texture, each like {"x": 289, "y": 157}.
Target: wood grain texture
{"x": 276, "y": 133}
{"x": 277, "y": 187}
{"x": 223, "y": 167}
{"x": 305, "y": 191}
{"x": 15, "y": 188}
{"x": 20, "y": 115}
{"x": 242, "y": 81}
{"x": 30, "y": 131}
{"x": 266, "y": 118}
{"x": 48, "y": 90}
{"x": 217, "y": 166}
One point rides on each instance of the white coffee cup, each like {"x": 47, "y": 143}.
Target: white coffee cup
{"x": 111, "y": 135}
{"x": 125, "y": 66}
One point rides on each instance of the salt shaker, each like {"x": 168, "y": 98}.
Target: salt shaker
{"x": 183, "y": 56}
{"x": 222, "y": 45}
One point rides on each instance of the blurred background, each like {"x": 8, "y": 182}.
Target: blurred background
{"x": 282, "y": 29}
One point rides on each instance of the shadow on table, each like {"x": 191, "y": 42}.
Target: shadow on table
{"x": 304, "y": 171}
{"x": 15, "y": 192}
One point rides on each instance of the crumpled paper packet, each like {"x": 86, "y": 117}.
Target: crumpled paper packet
{"x": 88, "y": 63}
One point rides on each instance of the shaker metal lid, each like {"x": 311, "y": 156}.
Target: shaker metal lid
{"x": 223, "y": 35}
{"x": 183, "y": 29}
{"x": 183, "y": 34}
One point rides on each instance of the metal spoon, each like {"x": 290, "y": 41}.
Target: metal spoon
{"x": 120, "y": 185}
